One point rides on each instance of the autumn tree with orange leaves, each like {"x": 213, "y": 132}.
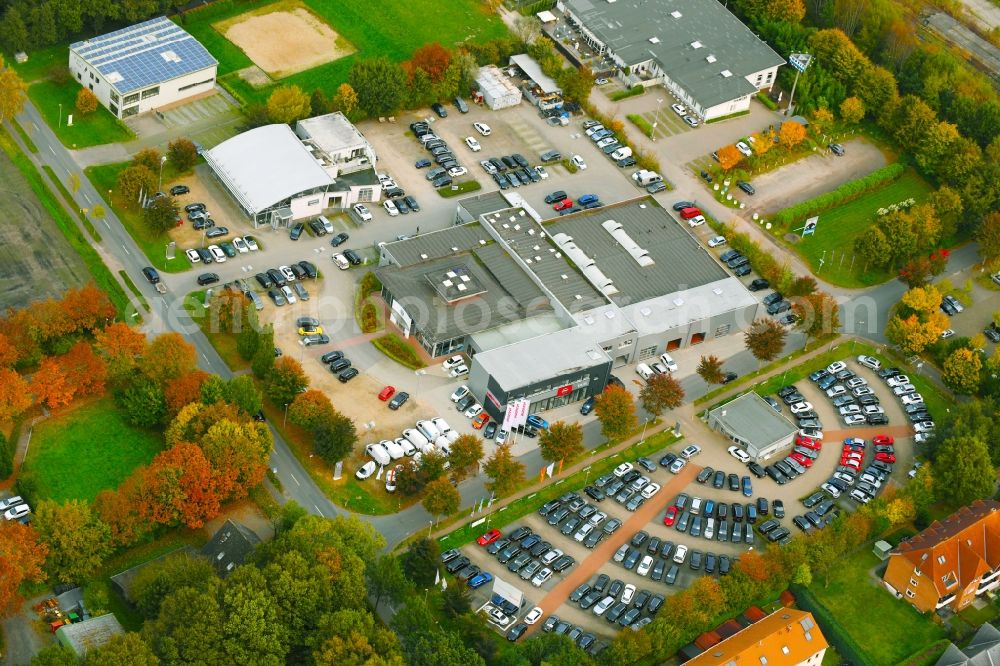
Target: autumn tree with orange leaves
{"x": 433, "y": 59}
{"x": 729, "y": 157}
{"x": 21, "y": 558}
{"x": 184, "y": 390}
{"x": 121, "y": 347}
{"x": 84, "y": 370}
{"x": 50, "y": 385}
{"x": 311, "y": 408}
{"x": 168, "y": 356}
{"x": 15, "y": 394}
{"x": 8, "y": 354}
{"x": 87, "y": 308}
{"x": 180, "y": 487}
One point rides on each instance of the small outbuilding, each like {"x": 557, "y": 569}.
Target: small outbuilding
{"x": 93, "y": 633}
{"x": 498, "y": 91}
{"x": 752, "y": 424}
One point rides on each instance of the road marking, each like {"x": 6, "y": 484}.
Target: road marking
{"x": 205, "y": 357}
{"x": 87, "y": 198}
{"x": 51, "y": 150}
{"x": 126, "y": 250}
{"x": 106, "y": 224}
{"x": 294, "y": 479}
{"x": 318, "y": 510}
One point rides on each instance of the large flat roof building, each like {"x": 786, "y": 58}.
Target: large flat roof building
{"x": 143, "y": 67}
{"x": 753, "y": 425}
{"x": 697, "y": 49}
{"x": 552, "y": 306}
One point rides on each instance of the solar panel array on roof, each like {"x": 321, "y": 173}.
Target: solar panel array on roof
{"x": 144, "y": 54}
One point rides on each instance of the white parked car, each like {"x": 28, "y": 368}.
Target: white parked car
{"x": 287, "y": 272}
{"x": 811, "y": 433}
{"x": 533, "y": 616}
{"x": 679, "y": 109}
{"x": 913, "y": 399}
{"x": 428, "y": 429}
{"x": 869, "y": 362}
{"x": 650, "y": 490}
{"x": 440, "y": 424}
{"x": 542, "y": 173}
{"x": 551, "y": 556}
{"x": 474, "y": 410}
{"x": 482, "y": 128}
{"x": 604, "y": 604}
{"x": 289, "y": 294}
{"x": 948, "y": 332}
{"x": 251, "y": 243}
{"x": 390, "y": 207}
{"x": 458, "y": 371}
{"x": 668, "y": 361}
{"x": 409, "y": 449}
{"x": 416, "y": 438}
{"x": 473, "y": 144}
{"x": 677, "y": 465}
{"x": 898, "y": 380}
{"x": 744, "y": 148}
{"x": 739, "y": 454}
{"x": 691, "y": 451}
{"x": 836, "y": 390}
{"x": 623, "y": 469}
{"x": 453, "y": 362}
{"x": 11, "y": 502}
{"x": 240, "y": 245}
{"x": 903, "y": 389}
{"x": 578, "y": 162}
{"x": 341, "y": 261}
{"x": 831, "y": 490}
{"x": 924, "y": 426}
{"x": 696, "y": 221}
{"x": 717, "y": 241}
{"x": 217, "y": 254}
{"x": 460, "y": 393}
{"x": 455, "y": 172}
{"x": 680, "y": 554}
{"x": 836, "y": 367}
{"x": 19, "y": 511}
{"x": 854, "y": 419}
{"x": 366, "y": 470}
{"x": 800, "y": 407}
{"x": 628, "y": 593}
{"x": 193, "y": 256}
{"x": 847, "y": 410}
{"x": 362, "y": 211}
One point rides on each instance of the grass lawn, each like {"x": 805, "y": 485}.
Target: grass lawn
{"x": 105, "y": 178}
{"x": 86, "y": 450}
{"x": 91, "y": 130}
{"x": 40, "y": 62}
{"x": 838, "y": 228}
{"x": 887, "y": 629}
{"x": 394, "y": 31}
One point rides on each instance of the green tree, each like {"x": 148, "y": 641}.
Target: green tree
{"x": 661, "y": 393}
{"x": 386, "y": 579}
{"x": 852, "y": 110}
{"x": 803, "y": 575}
{"x": 457, "y": 600}
{"x": 285, "y": 381}
{"x": 505, "y": 471}
{"x": 311, "y": 408}
{"x": 420, "y": 562}
{"x": 182, "y": 154}
{"x": 561, "y": 441}
{"x": 143, "y": 403}
{"x": 253, "y": 629}
{"x": 154, "y": 583}
{"x": 874, "y": 247}
{"x": 988, "y": 236}
{"x": 13, "y": 33}
{"x": 948, "y": 207}
{"x": 710, "y": 370}
{"x": 242, "y": 392}
{"x": 963, "y": 470}
{"x": 189, "y": 628}
{"x": 615, "y": 409}
{"x": 248, "y": 342}
{"x": 55, "y": 655}
{"x": 576, "y": 83}
{"x": 466, "y": 452}
{"x": 334, "y": 439}
{"x": 263, "y": 359}
{"x": 765, "y": 339}
{"x": 161, "y": 214}
{"x": 352, "y": 636}
{"x": 441, "y": 498}
{"x": 125, "y": 650}
{"x": 961, "y": 371}
{"x": 441, "y": 648}
{"x": 288, "y": 104}
{"x": 380, "y": 85}
{"x": 77, "y": 539}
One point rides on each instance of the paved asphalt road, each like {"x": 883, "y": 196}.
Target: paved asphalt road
{"x": 864, "y": 314}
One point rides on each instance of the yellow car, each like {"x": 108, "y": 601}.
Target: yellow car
{"x": 311, "y": 330}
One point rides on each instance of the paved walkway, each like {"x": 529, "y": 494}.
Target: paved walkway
{"x": 604, "y": 551}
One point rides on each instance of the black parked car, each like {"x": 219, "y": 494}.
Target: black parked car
{"x": 437, "y": 108}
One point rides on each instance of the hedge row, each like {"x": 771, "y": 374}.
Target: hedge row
{"x": 835, "y": 634}
{"x": 398, "y": 350}
{"x": 847, "y": 192}
{"x": 634, "y": 91}
{"x": 644, "y": 125}
{"x": 763, "y": 262}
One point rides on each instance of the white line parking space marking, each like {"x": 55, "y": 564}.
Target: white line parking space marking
{"x": 126, "y": 250}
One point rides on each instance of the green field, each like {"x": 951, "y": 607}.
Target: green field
{"x": 105, "y": 178}
{"x": 89, "y": 449}
{"x": 395, "y": 30}
{"x": 887, "y": 629}
{"x": 838, "y": 228}
{"x": 92, "y": 129}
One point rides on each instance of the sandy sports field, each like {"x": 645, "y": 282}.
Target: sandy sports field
{"x": 284, "y": 38}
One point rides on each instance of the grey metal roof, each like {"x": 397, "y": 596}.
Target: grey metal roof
{"x": 266, "y": 165}
{"x": 509, "y": 274}
{"x": 680, "y": 262}
{"x": 664, "y": 31}
{"x": 542, "y": 358}
{"x": 357, "y": 178}
{"x": 484, "y": 203}
{"x": 982, "y": 650}
{"x": 230, "y": 546}
{"x": 753, "y": 420}
{"x": 528, "y": 240}
{"x": 437, "y": 244}
{"x": 92, "y": 633}
{"x": 144, "y": 54}
{"x": 438, "y": 320}
{"x": 533, "y": 71}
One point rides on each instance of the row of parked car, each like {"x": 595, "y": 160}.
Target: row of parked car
{"x": 820, "y": 514}
{"x": 609, "y": 144}
{"x": 428, "y": 436}
{"x": 617, "y": 602}
{"x": 719, "y": 521}
{"x": 513, "y": 171}
{"x": 526, "y": 554}
{"x": 579, "y": 519}
{"x": 284, "y": 286}
{"x": 441, "y": 153}
{"x": 16, "y": 508}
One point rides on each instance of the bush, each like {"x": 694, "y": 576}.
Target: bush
{"x": 398, "y": 350}
{"x": 6, "y": 457}
{"x": 644, "y": 125}
{"x": 766, "y": 100}
{"x": 625, "y": 94}
{"x": 847, "y": 192}
{"x": 369, "y": 318}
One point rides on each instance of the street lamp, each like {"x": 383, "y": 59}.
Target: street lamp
{"x": 159, "y": 183}
{"x": 285, "y": 418}
{"x": 659, "y": 110}
{"x": 644, "y": 424}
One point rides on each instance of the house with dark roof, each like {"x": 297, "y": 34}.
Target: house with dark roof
{"x": 697, "y": 49}
{"x": 230, "y": 546}
{"x": 951, "y": 562}
{"x": 982, "y": 650}
{"x": 143, "y": 67}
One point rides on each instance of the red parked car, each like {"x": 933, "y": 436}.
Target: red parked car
{"x": 802, "y": 460}
{"x": 885, "y": 457}
{"x": 688, "y": 213}
{"x": 386, "y": 393}
{"x": 883, "y": 440}
{"x": 488, "y": 538}
{"x": 809, "y": 443}
{"x": 565, "y": 203}
{"x": 671, "y": 516}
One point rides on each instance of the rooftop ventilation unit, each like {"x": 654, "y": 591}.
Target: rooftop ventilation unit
{"x": 696, "y": 44}
{"x": 423, "y": 256}
{"x": 654, "y": 40}
{"x": 678, "y": 302}
{"x": 726, "y": 73}
{"x": 676, "y": 14}
{"x": 717, "y": 291}
{"x": 588, "y": 320}
{"x": 710, "y": 58}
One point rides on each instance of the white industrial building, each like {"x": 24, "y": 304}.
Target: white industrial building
{"x": 144, "y": 67}
{"x": 697, "y": 49}
{"x": 498, "y": 91}
{"x": 753, "y": 425}
{"x": 277, "y": 175}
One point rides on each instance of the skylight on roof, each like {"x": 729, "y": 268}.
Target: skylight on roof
{"x": 654, "y": 40}
{"x": 696, "y": 44}
{"x": 726, "y": 73}
{"x": 170, "y": 56}
{"x": 676, "y": 14}
{"x": 710, "y": 58}
{"x": 114, "y": 77}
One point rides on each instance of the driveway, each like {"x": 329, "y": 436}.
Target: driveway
{"x": 24, "y": 635}
{"x": 812, "y": 176}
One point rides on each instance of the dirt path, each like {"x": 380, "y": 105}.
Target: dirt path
{"x": 606, "y": 549}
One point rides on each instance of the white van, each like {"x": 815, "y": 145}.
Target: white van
{"x": 395, "y": 450}
{"x": 668, "y": 362}
{"x": 643, "y": 177}
{"x": 416, "y": 438}
{"x": 327, "y": 224}
{"x": 644, "y": 371}
{"x": 378, "y": 453}
{"x": 621, "y": 153}
{"x": 428, "y": 430}
{"x": 341, "y": 262}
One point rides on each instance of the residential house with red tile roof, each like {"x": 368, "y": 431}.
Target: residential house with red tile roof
{"x": 951, "y": 562}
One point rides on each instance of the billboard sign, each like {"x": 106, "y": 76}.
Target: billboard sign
{"x": 564, "y": 390}
{"x": 492, "y": 398}
{"x": 810, "y": 228}
{"x": 799, "y": 61}
{"x": 508, "y": 417}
